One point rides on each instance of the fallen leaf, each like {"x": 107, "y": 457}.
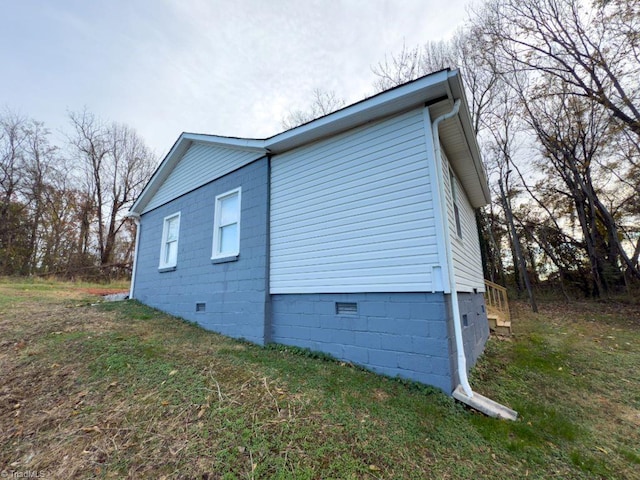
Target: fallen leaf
{"x": 95, "y": 428}
{"x": 173, "y": 372}
{"x": 202, "y": 411}
{"x": 374, "y": 468}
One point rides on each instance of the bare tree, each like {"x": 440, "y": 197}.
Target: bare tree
{"x": 411, "y": 63}
{"x": 15, "y": 225}
{"x": 463, "y": 51}
{"x": 116, "y": 166}
{"x": 592, "y": 49}
{"x": 502, "y": 123}
{"x": 39, "y": 168}
{"x": 323, "y": 102}
{"x": 13, "y": 139}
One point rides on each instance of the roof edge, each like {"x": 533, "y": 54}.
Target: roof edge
{"x": 179, "y": 148}
{"x": 458, "y": 91}
{"x": 389, "y": 102}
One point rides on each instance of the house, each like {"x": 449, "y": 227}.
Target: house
{"x": 353, "y": 234}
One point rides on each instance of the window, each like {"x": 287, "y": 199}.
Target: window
{"x": 169, "y": 250}
{"x": 226, "y": 225}
{"x": 454, "y": 199}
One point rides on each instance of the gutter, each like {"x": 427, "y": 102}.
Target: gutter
{"x": 136, "y": 219}
{"x": 463, "y": 391}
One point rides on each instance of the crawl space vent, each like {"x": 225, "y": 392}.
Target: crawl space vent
{"x": 201, "y": 307}
{"x": 346, "y": 308}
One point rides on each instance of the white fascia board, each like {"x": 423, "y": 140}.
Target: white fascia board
{"x": 175, "y": 154}
{"x": 248, "y": 144}
{"x": 384, "y": 104}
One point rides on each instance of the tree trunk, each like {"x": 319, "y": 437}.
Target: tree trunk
{"x": 517, "y": 249}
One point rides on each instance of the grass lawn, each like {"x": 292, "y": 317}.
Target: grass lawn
{"x": 118, "y": 390}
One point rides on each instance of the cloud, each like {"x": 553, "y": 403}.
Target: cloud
{"x": 228, "y": 68}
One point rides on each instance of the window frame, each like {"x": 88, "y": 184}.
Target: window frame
{"x": 454, "y": 201}
{"x": 171, "y": 264}
{"x": 230, "y": 255}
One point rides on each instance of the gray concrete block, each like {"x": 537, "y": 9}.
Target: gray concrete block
{"x": 356, "y": 354}
{"x": 383, "y": 358}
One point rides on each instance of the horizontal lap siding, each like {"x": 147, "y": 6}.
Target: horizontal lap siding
{"x": 354, "y": 213}
{"x": 467, "y": 259}
{"x": 200, "y": 165}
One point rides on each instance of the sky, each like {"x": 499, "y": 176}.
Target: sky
{"x": 233, "y": 68}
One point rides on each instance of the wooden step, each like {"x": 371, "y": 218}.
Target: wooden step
{"x": 497, "y": 303}
{"x": 498, "y": 324}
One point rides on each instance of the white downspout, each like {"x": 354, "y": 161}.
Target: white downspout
{"x": 136, "y": 219}
{"x": 462, "y": 359}
{"x": 463, "y": 391}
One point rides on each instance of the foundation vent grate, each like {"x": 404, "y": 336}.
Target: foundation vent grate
{"x": 346, "y": 308}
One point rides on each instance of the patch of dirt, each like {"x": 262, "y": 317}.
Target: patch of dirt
{"x": 380, "y": 395}
{"x": 103, "y": 291}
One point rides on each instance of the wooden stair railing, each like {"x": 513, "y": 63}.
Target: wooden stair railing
{"x": 497, "y": 302}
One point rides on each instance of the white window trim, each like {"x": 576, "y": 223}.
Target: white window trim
{"x": 216, "y": 226}
{"x": 165, "y": 232}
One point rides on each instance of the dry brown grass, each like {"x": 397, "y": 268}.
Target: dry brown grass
{"x": 122, "y": 391}
{"x": 62, "y": 418}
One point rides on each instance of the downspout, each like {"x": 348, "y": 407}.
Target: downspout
{"x": 463, "y": 392}
{"x": 462, "y": 359}
{"x": 136, "y": 219}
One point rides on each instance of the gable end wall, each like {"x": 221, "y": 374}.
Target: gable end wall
{"x": 200, "y": 165}
{"x": 235, "y": 293}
